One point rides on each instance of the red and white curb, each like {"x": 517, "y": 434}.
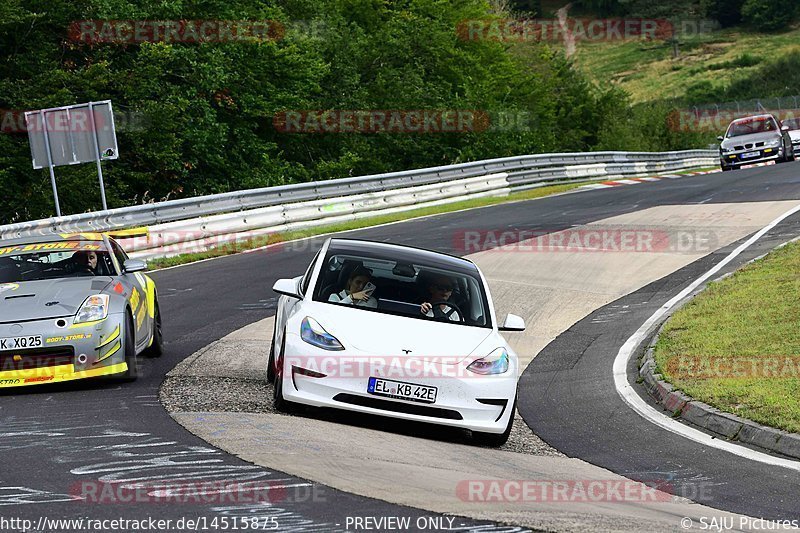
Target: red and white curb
{"x": 635, "y": 181}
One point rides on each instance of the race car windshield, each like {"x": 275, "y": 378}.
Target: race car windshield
{"x": 50, "y": 260}
{"x": 792, "y": 123}
{"x": 401, "y": 288}
{"x": 748, "y": 127}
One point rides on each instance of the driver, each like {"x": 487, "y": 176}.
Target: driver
{"x": 440, "y": 288}
{"x": 85, "y": 261}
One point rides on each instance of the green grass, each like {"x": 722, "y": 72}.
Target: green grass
{"x": 286, "y": 236}
{"x": 748, "y": 321}
{"x": 648, "y": 71}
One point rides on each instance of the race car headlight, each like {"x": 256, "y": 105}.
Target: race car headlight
{"x": 95, "y": 307}
{"x": 772, "y": 143}
{"x": 725, "y": 150}
{"x": 494, "y": 363}
{"x": 314, "y": 334}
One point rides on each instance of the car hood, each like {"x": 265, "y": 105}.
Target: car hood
{"x": 795, "y": 135}
{"x": 51, "y": 298}
{"x": 752, "y": 138}
{"x": 383, "y": 335}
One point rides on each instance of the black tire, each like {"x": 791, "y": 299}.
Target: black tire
{"x": 130, "y": 352}
{"x": 157, "y": 348}
{"x": 495, "y": 440}
{"x": 278, "y": 401}
{"x": 271, "y": 361}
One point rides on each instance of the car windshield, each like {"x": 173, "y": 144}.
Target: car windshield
{"x": 49, "y": 260}
{"x": 750, "y": 126}
{"x": 401, "y": 288}
{"x": 792, "y": 123}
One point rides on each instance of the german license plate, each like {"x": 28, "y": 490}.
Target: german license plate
{"x": 20, "y": 343}
{"x": 401, "y": 391}
{"x": 750, "y": 155}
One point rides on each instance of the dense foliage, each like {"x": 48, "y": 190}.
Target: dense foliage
{"x": 197, "y": 118}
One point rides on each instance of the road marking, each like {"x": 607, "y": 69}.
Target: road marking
{"x": 632, "y": 398}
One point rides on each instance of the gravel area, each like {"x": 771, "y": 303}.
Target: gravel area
{"x": 220, "y": 394}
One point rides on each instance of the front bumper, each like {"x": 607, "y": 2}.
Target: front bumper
{"x": 736, "y": 159}
{"x": 463, "y": 400}
{"x": 68, "y": 351}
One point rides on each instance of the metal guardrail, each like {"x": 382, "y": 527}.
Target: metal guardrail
{"x": 522, "y": 170}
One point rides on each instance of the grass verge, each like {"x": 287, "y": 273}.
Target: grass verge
{"x": 736, "y": 346}
{"x": 275, "y": 238}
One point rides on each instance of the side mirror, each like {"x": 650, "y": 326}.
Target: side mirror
{"x": 720, "y": 138}
{"x": 784, "y": 128}
{"x": 287, "y": 287}
{"x": 513, "y": 323}
{"x": 134, "y": 265}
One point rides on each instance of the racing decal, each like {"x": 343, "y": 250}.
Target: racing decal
{"x": 151, "y": 296}
{"x": 66, "y": 338}
{"x": 118, "y": 288}
{"x": 39, "y": 379}
{"x": 135, "y": 300}
{"x": 66, "y": 245}
{"x": 8, "y": 287}
{"x": 114, "y": 349}
{"x": 10, "y": 382}
{"x": 85, "y": 235}
{"x": 114, "y": 334}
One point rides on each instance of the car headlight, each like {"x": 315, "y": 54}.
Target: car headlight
{"x": 773, "y": 143}
{"x": 314, "y": 334}
{"x": 725, "y": 150}
{"x": 494, "y": 363}
{"x": 95, "y": 307}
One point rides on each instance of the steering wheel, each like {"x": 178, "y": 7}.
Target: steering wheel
{"x": 453, "y": 308}
{"x": 83, "y": 269}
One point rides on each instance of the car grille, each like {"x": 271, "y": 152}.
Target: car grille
{"x": 409, "y": 409}
{"x": 748, "y": 146}
{"x": 37, "y": 358}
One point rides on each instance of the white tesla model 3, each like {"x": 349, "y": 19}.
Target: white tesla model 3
{"x": 395, "y": 331}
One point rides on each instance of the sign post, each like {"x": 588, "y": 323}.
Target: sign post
{"x": 72, "y": 135}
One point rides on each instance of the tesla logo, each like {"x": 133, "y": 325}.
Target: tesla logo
{"x": 406, "y": 351}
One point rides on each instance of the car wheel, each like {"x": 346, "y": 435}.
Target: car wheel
{"x": 278, "y": 401}
{"x": 157, "y": 348}
{"x": 495, "y": 440}
{"x": 130, "y": 352}
{"x": 271, "y": 361}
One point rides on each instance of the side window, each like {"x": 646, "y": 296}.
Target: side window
{"x": 307, "y": 276}
{"x": 119, "y": 254}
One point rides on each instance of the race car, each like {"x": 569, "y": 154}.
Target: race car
{"x": 74, "y": 307}
{"x": 395, "y": 331}
{"x": 755, "y": 139}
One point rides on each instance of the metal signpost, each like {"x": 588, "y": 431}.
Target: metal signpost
{"x": 72, "y": 135}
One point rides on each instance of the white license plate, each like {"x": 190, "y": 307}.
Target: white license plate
{"x": 401, "y": 391}
{"x": 20, "y": 343}
{"x": 750, "y": 155}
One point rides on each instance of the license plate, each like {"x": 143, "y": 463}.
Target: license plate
{"x": 19, "y": 343}
{"x": 750, "y": 155}
{"x": 401, "y": 391}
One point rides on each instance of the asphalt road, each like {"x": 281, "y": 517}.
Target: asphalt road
{"x": 60, "y": 441}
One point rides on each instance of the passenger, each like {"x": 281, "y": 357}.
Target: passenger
{"x": 440, "y": 288}
{"x": 354, "y": 290}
